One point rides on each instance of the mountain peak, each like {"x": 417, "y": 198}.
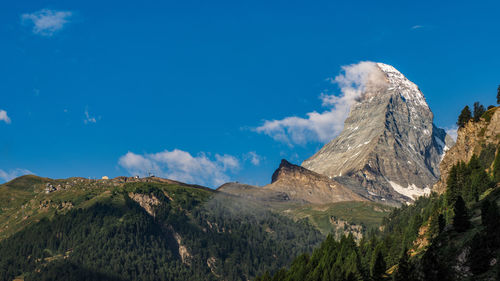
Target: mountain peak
{"x": 286, "y": 167}
{"x": 398, "y": 83}
{"x": 301, "y": 184}
{"x": 389, "y": 145}
{"x": 387, "y": 68}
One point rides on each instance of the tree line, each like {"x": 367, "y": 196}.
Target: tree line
{"x": 478, "y": 111}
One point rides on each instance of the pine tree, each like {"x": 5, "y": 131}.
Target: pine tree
{"x": 378, "y": 265}
{"x": 478, "y": 111}
{"x": 352, "y": 266}
{"x": 461, "y": 218}
{"x": 434, "y": 268}
{"x": 496, "y": 168}
{"x": 498, "y": 94}
{"x": 442, "y": 223}
{"x": 464, "y": 117}
{"x": 479, "y": 183}
{"x": 453, "y": 189}
{"x": 434, "y": 225}
{"x": 404, "y": 271}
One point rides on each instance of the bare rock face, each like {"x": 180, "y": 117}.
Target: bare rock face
{"x": 389, "y": 149}
{"x": 146, "y": 201}
{"x": 292, "y": 183}
{"x": 471, "y": 140}
{"x": 302, "y": 184}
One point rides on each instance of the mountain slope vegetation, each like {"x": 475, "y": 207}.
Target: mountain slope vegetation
{"x": 108, "y": 230}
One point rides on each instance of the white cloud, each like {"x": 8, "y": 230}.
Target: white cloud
{"x": 228, "y": 162}
{"x": 324, "y": 126}
{"x": 47, "y": 22}
{"x": 12, "y": 174}
{"x": 182, "y": 166}
{"x": 452, "y": 131}
{"x": 89, "y": 119}
{"x": 253, "y": 157}
{"x": 417, "y": 27}
{"x": 4, "y": 117}
{"x": 137, "y": 164}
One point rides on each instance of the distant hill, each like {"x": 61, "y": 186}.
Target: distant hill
{"x": 298, "y": 193}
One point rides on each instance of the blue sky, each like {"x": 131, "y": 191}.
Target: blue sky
{"x": 95, "y": 88}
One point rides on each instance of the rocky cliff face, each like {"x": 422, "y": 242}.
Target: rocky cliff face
{"x": 472, "y": 139}
{"x": 292, "y": 183}
{"x": 147, "y": 202}
{"x": 390, "y": 149}
{"x": 301, "y": 184}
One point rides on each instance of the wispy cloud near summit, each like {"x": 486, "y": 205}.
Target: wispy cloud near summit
{"x": 47, "y": 22}
{"x": 324, "y": 126}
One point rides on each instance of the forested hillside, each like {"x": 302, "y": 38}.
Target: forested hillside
{"x": 434, "y": 239}
{"x": 144, "y": 231}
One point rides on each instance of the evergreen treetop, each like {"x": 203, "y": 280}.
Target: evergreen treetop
{"x": 464, "y": 116}
{"x": 498, "y": 94}
{"x": 404, "y": 271}
{"x": 478, "y": 111}
{"x": 378, "y": 265}
{"x": 461, "y": 218}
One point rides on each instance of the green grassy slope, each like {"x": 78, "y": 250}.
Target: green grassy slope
{"x": 330, "y": 218}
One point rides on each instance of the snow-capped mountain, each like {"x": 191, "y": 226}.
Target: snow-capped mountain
{"x": 389, "y": 149}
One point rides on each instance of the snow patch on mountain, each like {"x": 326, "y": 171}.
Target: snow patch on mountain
{"x": 408, "y": 89}
{"x": 412, "y": 191}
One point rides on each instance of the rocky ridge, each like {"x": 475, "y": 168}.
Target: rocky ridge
{"x": 302, "y": 184}
{"x": 293, "y": 183}
{"x": 472, "y": 139}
